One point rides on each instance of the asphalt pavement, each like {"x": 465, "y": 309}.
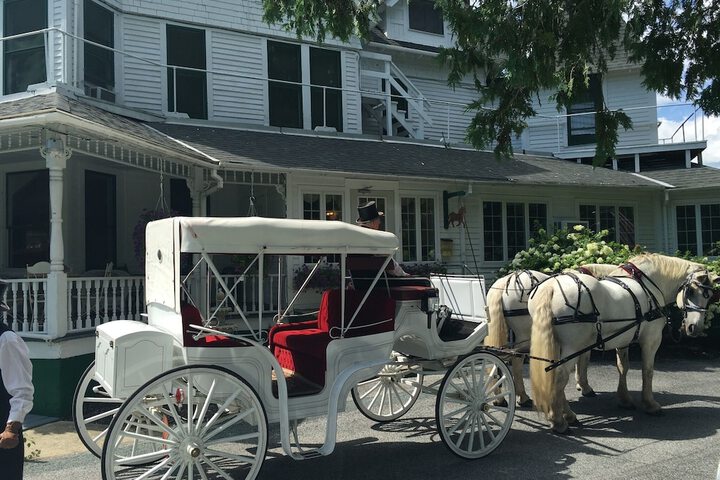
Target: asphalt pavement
{"x": 682, "y": 443}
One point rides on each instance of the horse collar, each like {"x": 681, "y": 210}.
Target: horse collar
{"x": 633, "y": 270}
{"x": 586, "y": 271}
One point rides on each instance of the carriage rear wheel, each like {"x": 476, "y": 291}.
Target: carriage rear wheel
{"x": 93, "y": 409}
{"x": 391, "y": 394}
{"x": 196, "y": 421}
{"x": 475, "y": 405}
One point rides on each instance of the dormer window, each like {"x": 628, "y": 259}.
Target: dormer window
{"x": 425, "y": 17}
{"x": 581, "y": 119}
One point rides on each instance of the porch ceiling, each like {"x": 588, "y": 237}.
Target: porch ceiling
{"x": 296, "y": 152}
{"x": 26, "y": 123}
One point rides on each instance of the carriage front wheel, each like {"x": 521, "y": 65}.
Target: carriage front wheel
{"x": 391, "y": 394}
{"x": 197, "y": 421}
{"x": 475, "y": 405}
{"x": 93, "y": 409}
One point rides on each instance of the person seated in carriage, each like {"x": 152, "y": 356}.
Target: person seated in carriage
{"x": 370, "y": 217}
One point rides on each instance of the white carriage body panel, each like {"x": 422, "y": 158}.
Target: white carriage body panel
{"x": 128, "y": 354}
{"x": 465, "y": 295}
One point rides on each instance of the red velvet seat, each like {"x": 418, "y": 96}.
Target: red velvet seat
{"x": 191, "y": 316}
{"x": 301, "y": 347}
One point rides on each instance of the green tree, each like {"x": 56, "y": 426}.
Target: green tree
{"x": 517, "y": 50}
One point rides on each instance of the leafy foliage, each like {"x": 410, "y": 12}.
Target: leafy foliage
{"x": 569, "y": 249}
{"x": 516, "y": 51}
{"x": 326, "y": 276}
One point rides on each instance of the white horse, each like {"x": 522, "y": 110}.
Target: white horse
{"x": 572, "y": 312}
{"x": 507, "y": 310}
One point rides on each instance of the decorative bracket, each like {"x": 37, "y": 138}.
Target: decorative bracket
{"x": 447, "y": 196}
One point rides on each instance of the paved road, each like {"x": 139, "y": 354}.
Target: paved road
{"x": 684, "y": 443}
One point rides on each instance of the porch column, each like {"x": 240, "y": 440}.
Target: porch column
{"x": 56, "y": 156}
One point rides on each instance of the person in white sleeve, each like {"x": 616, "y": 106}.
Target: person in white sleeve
{"x": 16, "y": 397}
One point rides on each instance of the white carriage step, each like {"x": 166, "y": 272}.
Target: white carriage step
{"x": 310, "y": 454}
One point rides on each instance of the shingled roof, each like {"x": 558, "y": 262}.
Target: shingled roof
{"x": 687, "y": 178}
{"x": 259, "y": 149}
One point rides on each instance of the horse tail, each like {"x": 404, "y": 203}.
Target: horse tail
{"x": 497, "y": 325}
{"x": 543, "y": 344}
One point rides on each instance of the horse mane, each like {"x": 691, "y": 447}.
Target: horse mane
{"x": 669, "y": 267}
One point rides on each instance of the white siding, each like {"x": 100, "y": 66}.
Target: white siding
{"x": 57, "y": 14}
{"x": 238, "y": 98}
{"x": 623, "y": 90}
{"x": 447, "y": 109}
{"x": 241, "y": 15}
{"x": 397, "y": 27}
{"x": 351, "y": 96}
{"x": 143, "y": 82}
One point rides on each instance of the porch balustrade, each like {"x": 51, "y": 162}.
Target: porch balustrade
{"x": 26, "y": 299}
{"x": 92, "y": 301}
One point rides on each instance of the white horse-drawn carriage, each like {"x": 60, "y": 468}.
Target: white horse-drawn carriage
{"x": 185, "y": 397}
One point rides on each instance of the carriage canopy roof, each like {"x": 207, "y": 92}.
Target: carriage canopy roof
{"x": 277, "y": 235}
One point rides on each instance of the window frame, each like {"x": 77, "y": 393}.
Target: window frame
{"x": 35, "y": 226}
{"x": 90, "y": 50}
{"x": 528, "y": 228}
{"x": 417, "y": 230}
{"x": 23, "y": 48}
{"x": 420, "y": 29}
{"x": 698, "y": 226}
{"x": 307, "y": 88}
{"x": 593, "y": 94}
{"x": 595, "y": 225}
{"x": 172, "y": 71}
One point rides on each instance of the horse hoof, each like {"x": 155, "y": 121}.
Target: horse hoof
{"x": 565, "y": 432}
{"x": 575, "y": 423}
{"x": 526, "y": 404}
{"x": 500, "y": 403}
{"x": 590, "y": 394}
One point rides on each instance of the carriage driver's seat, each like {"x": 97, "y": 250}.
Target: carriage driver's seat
{"x": 300, "y": 347}
{"x": 191, "y": 316}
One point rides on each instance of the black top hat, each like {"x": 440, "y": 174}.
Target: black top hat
{"x": 368, "y": 212}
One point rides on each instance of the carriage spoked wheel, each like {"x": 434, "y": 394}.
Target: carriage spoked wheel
{"x": 391, "y": 394}
{"x": 93, "y": 409}
{"x": 471, "y": 417}
{"x": 197, "y": 421}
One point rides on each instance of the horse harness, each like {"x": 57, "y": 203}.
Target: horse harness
{"x": 579, "y": 317}
{"x": 519, "y": 287}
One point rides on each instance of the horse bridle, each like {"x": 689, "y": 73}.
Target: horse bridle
{"x": 688, "y": 284}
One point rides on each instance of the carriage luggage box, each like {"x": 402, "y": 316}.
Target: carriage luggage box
{"x": 128, "y": 354}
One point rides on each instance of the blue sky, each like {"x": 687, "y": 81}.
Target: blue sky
{"x": 671, "y": 115}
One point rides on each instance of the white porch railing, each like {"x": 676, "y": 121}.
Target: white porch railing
{"x": 97, "y": 300}
{"x": 26, "y": 299}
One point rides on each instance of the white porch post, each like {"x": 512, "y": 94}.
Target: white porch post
{"x": 196, "y": 187}
{"x": 56, "y": 156}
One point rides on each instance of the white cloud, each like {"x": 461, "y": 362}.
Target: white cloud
{"x": 672, "y": 113}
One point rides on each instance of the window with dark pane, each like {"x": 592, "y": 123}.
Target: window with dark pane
{"x": 99, "y": 26}
{"x": 588, "y": 214}
{"x": 24, "y": 58}
{"x": 311, "y": 206}
{"x": 187, "y": 89}
{"x": 408, "y": 229}
{"x": 686, "y": 228}
{"x": 493, "y": 234}
{"x": 326, "y": 103}
{"x": 581, "y": 119}
{"x": 180, "y": 198}
{"x": 607, "y": 221}
{"x": 626, "y": 226}
{"x": 427, "y": 229}
{"x": 28, "y": 217}
{"x": 537, "y": 213}
{"x": 333, "y": 207}
{"x": 100, "y": 220}
{"x": 425, "y": 16}
{"x": 285, "y": 84}
{"x": 710, "y": 225}
{"x": 515, "y": 219}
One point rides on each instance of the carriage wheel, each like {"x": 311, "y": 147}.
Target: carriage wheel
{"x": 93, "y": 409}
{"x": 190, "y": 422}
{"x": 469, "y": 417}
{"x": 391, "y": 394}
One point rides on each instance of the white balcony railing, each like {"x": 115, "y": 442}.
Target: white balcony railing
{"x": 92, "y": 301}
{"x": 26, "y": 299}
